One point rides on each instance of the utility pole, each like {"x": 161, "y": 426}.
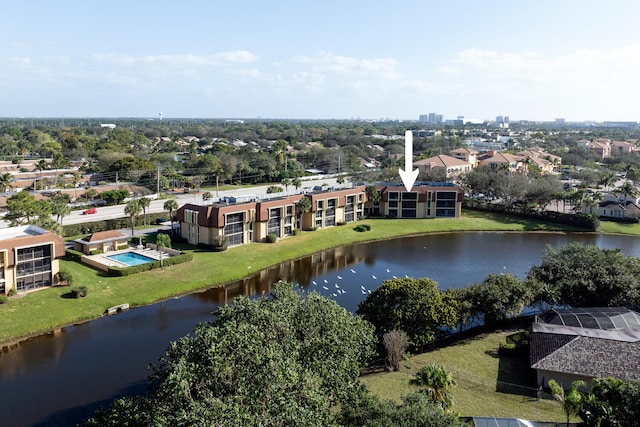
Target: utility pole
{"x": 158, "y": 178}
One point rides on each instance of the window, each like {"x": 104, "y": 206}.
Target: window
{"x": 190, "y": 216}
{"x": 234, "y": 229}
{"x": 446, "y": 203}
{"x": 288, "y": 221}
{"x": 330, "y": 213}
{"x": 409, "y": 204}
{"x": 275, "y": 220}
{"x": 349, "y": 209}
{"x": 393, "y": 195}
{"x": 33, "y": 268}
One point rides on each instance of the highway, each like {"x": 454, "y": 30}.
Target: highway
{"x": 156, "y": 206}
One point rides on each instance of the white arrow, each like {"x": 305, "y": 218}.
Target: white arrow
{"x": 408, "y": 175}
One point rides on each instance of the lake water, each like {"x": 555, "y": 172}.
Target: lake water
{"x": 58, "y": 380}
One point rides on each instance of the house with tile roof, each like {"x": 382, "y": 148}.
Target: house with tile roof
{"x": 585, "y": 343}
{"x": 545, "y": 162}
{"x": 600, "y": 146}
{"x": 498, "y": 159}
{"x": 615, "y": 205}
{"x": 467, "y": 154}
{"x": 621, "y": 148}
{"x": 452, "y": 166}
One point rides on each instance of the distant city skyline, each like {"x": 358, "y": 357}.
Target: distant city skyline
{"x": 574, "y": 59}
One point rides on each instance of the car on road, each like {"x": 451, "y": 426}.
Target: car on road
{"x": 89, "y": 211}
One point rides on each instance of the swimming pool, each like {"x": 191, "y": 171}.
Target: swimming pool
{"x": 131, "y": 258}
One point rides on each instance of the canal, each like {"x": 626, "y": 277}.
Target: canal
{"x": 58, "y": 380}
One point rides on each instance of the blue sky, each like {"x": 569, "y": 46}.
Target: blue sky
{"x": 538, "y": 60}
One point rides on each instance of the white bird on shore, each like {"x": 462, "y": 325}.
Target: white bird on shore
{"x": 337, "y": 286}
{"x": 325, "y": 281}
{"x": 314, "y": 282}
{"x": 353, "y": 271}
{"x": 388, "y": 271}
{"x": 339, "y": 277}
{"x": 363, "y": 288}
{"x": 374, "y": 276}
{"x": 325, "y": 288}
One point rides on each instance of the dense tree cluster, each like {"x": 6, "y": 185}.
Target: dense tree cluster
{"x": 288, "y": 359}
{"x": 414, "y": 306}
{"x": 587, "y": 276}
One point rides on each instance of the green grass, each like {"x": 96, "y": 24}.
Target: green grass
{"x": 41, "y": 311}
{"x": 611, "y": 227}
{"x": 476, "y": 367}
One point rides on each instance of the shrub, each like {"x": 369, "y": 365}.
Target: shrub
{"x": 271, "y": 238}
{"x": 311, "y": 229}
{"x": 341, "y": 223}
{"x": 95, "y": 251}
{"x": 362, "y": 228}
{"x": 73, "y": 255}
{"x": 63, "y": 278}
{"x": 220, "y": 243}
{"x": 79, "y": 292}
{"x": 12, "y": 292}
{"x": 126, "y": 271}
{"x": 295, "y": 231}
{"x": 4, "y": 299}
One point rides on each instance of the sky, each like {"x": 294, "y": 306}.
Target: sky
{"x": 348, "y": 59}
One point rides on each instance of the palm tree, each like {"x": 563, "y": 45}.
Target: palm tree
{"x": 437, "y": 383}
{"x": 132, "y": 210}
{"x": 571, "y": 400}
{"x": 628, "y": 189}
{"x": 40, "y": 166}
{"x": 171, "y": 205}
{"x": 144, "y": 204}
{"x": 297, "y": 182}
{"x": 303, "y": 206}
{"x": 608, "y": 180}
{"x": 5, "y": 181}
{"x": 60, "y": 205}
{"x": 162, "y": 241}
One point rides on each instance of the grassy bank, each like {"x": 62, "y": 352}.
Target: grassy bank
{"x": 45, "y": 310}
{"x": 477, "y": 368}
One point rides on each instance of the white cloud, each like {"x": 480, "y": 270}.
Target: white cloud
{"x": 216, "y": 59}
{"x": 326, "y": 62}
{"x": 578, "y": 82}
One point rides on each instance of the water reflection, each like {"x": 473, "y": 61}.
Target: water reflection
{"x": 60, "y": 379}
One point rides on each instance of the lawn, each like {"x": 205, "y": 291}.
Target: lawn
{"x": 47, "y": 309}
{"x": 476, "y": 366}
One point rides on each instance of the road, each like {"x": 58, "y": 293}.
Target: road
{"x": 157, "y": 206}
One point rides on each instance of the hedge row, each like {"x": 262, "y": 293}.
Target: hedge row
{"x": 73, "y": 255}
{"x": 126, "y": 271}
{"x": 109, "y": 224}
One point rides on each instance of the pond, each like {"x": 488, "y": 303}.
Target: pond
{"x": 63, "y": 378}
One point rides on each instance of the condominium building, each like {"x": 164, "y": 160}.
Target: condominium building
{"x": 28, "y": 258}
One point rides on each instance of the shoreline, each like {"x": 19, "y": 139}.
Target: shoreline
{"x": 11, "y": 342}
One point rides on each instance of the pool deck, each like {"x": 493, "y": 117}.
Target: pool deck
{"x": 102, "y": 261}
